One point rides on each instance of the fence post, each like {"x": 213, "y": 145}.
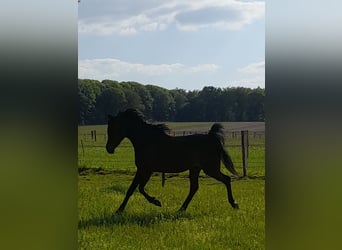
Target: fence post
{"x": 163, "y": 179}
{"x": 244, "y": 145}
{"x": 82, "y": 147}
{"x": 95, "y": 134}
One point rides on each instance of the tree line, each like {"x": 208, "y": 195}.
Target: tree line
{"x": 99, "y": 98}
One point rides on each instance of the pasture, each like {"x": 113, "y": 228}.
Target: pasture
{"x": 208, "y": 223}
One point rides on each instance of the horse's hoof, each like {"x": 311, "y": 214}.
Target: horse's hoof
{"x": 119, "y": 211}
{"x": 235, "y": 205}
{"x": 116, "y": 215}
{"x": 156, "y": 202}
{"x": 181, "y": 210}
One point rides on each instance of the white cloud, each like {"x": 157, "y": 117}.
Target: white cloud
{"x": 203, "y": 68}
{"x": 185, "y": 15}
{"x": 253, "y": 75}
{"x": 254, "y": 68}
{"x": 109, "y": 68}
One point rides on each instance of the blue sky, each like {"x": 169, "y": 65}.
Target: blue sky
{"x": 174, "y": 43}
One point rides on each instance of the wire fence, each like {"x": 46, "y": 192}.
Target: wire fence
{"x": 94, "y": 137}
{"x": 92, "y": 148}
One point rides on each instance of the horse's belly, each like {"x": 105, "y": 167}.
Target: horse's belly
{"x": 170, "y": 168}
{"x": 174, "y": 165}
{"x": 168, "y": 161}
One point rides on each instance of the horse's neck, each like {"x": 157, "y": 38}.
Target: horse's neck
{"x": 136, "y": 136}
{"x": 141, "y": 136}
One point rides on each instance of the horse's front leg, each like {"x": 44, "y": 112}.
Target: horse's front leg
{"x": 135, "y": 182}
{"x": 144, "y": 179}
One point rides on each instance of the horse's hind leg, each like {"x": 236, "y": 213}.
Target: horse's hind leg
{"x": 144, "y": 179}
{"x": 226, "y": 180}
{"x": 130, "y": 191}
{"x": 194, "y": 173}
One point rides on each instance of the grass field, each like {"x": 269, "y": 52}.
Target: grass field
{"x": 208, "y": 223}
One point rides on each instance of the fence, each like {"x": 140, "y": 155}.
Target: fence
{"x": 93, "y": 136}
{"x": 244, "y": 139}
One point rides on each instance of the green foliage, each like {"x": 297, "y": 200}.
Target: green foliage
{"x": 88, "y": 91}
{"x": 163, "y": 103}
{"x": 97, "y": 99}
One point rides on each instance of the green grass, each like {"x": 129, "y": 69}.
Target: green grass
{"x": 208, "y": 223}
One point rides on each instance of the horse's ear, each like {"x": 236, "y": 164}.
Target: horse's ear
{"x": 110, "y": 117}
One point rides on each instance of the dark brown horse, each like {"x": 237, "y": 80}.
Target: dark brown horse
{"x": 155, "y": 151}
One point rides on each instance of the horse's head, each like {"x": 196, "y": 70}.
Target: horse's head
{"x": 115, "y": 133}
{"x": 121, "y": 126}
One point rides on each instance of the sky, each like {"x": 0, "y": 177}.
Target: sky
{"x": 173, "y": 44}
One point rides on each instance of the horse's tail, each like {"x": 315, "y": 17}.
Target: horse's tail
{"x": 217, "y": 131}
{"x": 227, "y": 161}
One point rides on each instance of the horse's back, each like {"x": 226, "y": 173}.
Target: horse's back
{"x": 177, "y": 154}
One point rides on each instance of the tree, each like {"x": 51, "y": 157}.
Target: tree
{"x": 132, "y": 100}
{"x": 240, "y": 103}
{"x": 210, "y": 103}
{"x": 88, "y": 91}
{"x": 163, "y": 103}
{"x": 97, "y": 99}
{"x": 227, "y": 102}
{"x": 145, "y": 97}
{"x": 110, "y": 101}
{"x": 255, "y": 105}
{"x": 180, "y": 99}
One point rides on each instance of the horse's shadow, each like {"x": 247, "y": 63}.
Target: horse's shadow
{"x": 141, "y": 219}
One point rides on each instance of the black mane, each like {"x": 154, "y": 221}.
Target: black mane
{"x": 134, "y": 116}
